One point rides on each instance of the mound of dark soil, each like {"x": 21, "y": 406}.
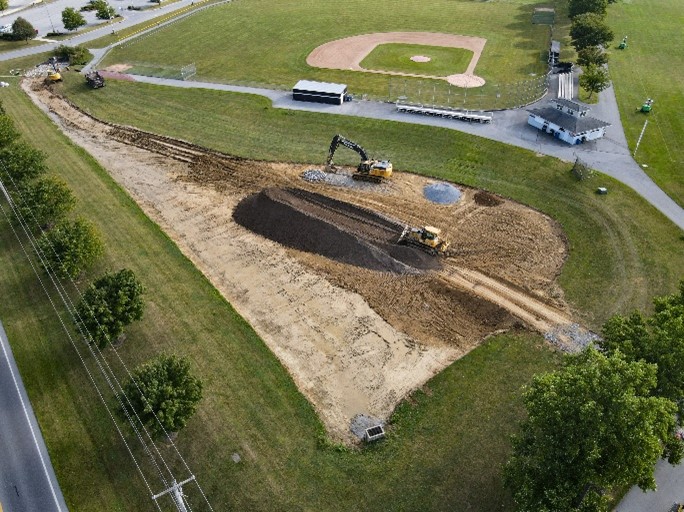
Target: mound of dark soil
{"x": 334, "y": 229}
{"x": 486, "y": 199}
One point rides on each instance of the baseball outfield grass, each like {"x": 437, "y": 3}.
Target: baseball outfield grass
{"x": 267, "y": 42}
{"x": 397, "y": 57}
{"x": 652, "y": 67}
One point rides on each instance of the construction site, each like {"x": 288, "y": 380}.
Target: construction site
{"x": 364, "y": 287}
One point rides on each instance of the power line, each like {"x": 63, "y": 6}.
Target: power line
{"x": 71, "y": 310}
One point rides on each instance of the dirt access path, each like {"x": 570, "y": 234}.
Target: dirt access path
{"x": 361, "y": 325}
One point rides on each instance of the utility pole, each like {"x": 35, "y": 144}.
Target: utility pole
{"x": 176, "y": 491}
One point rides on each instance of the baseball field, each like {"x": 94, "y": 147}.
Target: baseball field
{"x": 267, "y": 43}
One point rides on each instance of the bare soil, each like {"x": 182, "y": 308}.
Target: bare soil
{"x": 347, "y": 53}
{"x": 358, "y": 321}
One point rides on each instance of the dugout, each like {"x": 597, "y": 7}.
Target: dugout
{"x": 319, "y": 92}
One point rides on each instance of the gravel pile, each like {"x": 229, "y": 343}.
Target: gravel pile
{"x": 571, "y": 338}
{"x": 338, "y": 179}
{"x": 361, "y": 422}
{"x": 38, "y": 71}
{"x": 441, "y": 193}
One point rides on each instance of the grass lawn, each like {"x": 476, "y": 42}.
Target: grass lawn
{"x": 652, "y": 67}
{"x": 444, "y": 450}
{"x": 397, "y": 57}
{"x": 622, "y": 252}
{"x": 8, "y": 46}
{"x": 268, "y": 42}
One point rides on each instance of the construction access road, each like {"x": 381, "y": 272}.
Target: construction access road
{"x": 314, "y": 267}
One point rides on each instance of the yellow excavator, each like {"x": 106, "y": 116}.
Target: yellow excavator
{"x": 426, "y": 238}
{"x": 375, "y": 171}
{"x": 54, "y": 75}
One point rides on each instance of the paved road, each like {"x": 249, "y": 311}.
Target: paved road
{"x": 609, "y": 155}
{"x": 130, "y": 18}
{"x": 670, "y": 480}
{"x": 27, "y": 480}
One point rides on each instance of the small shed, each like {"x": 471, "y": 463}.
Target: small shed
{"x": 554, "y": 52}
{"x": 319, "y": 92}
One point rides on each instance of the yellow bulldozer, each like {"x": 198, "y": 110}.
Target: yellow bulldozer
{"x": 426, "y": 238}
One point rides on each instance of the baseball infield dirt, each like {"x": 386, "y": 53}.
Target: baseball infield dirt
{"x": 348, "y": 53}
{"x": 357, "y": 321}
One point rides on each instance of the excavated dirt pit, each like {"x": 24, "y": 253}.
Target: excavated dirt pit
{"x": 357, "y": 321}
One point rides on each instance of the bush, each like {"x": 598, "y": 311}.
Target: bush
{"x": 76, "y": 55}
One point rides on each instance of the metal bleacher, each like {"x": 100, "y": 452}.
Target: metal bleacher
{"x": 565, "y": 86}
{"x": 461, "y": 115}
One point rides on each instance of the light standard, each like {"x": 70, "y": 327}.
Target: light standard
{"x": 49, "y": 17}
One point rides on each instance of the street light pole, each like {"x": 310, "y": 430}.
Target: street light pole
{"x": 49, "y": 17}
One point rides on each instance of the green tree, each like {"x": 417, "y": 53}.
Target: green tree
{"x": 43, "y": 202}
{"x": 72, "y": 19}
{"x": 76, "y": 55}
{"x": 657, "y": 339}
{"x": 110, "y": 304}
{"x": 592, "y": 55}
{"x": 592, "y": 427}
{"x": 20, "y": 164}
{"x": 103, "y": 11}
{"x": 594, "y": 79}
{"x": 8, "y": 133}
{"x": 22, "y": 30}
{"x": 69, "y": 248}
{"x": 590, "y": 29}
{"x": 577, "y": 7}
{"x": 163, "y": 388}
{"x": 4, "y": 4}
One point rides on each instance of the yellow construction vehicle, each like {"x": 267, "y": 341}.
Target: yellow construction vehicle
{"x": 426, "y": 238}
{"x": 368, "y": 170}
{"x": 54, "y": 75}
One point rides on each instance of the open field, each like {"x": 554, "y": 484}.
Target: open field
{"x": 652, "y": 67}
{"x": 252, "y": 406}
{"x": 397, "y": 57}
{"x": 236, "y": 42}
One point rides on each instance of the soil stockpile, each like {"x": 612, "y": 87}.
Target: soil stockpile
{"x": 337, "y": 230}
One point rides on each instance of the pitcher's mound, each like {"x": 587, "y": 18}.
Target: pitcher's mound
{"x": 420, "y": 58}
{"x": 466, "y": 81}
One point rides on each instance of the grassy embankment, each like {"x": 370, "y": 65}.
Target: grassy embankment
{"x": 652, "y": 67}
